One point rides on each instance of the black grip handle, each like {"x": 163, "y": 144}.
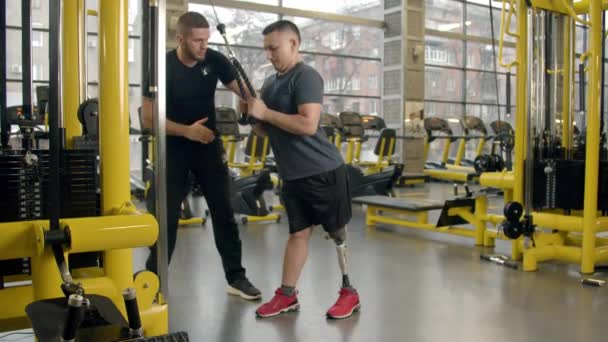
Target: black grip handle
{"x": 74, "y": 318}
{"x": 135, "y": 327}
{"x": 581, "y": 86}
{"x": 221, "y": 28}
{"x": 153, "y": 47}
{"x": 508, "y": 91}
{"x": 241, "y": 78}
{"x": 241, "y": 71}
{"x": 239, "y": 82}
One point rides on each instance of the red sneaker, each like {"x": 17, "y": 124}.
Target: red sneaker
{"x": 278, "y": 304}
{"x": 347, "y": 303}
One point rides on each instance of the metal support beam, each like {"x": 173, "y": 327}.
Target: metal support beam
{"x": 158, "y": 87}
{"x": 460, "y": 36}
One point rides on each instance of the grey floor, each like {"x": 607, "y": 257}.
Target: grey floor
{"x": 414, "y": 286}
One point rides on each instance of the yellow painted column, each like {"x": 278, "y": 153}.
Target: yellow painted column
{"x": 114, "y": 126}
{"x": 481, "y": 211}
{"x": 427, "y": 144}
{"x": 520, "y": 101}
{"x": 460, "y": 153}
{"x": 593, "y": 138}
{"x": 446, "y": 150}
{"x": 480, "y": 146}
{"x": 521, "y": 110}
{"x": 71, "y": 75}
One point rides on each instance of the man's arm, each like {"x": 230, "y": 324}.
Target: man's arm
{"x": 194, "y": 132}
{"x": 305, "y": 122}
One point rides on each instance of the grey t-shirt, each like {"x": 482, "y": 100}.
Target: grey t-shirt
{"x": 298, "y": 156}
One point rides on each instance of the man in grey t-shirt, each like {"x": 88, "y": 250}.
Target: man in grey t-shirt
{"x": 315, "y": 183}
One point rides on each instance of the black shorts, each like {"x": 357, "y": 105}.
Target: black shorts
{"x": 320, "y": 199}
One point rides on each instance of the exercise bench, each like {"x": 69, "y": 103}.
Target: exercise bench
{"x": 453, "y": 212}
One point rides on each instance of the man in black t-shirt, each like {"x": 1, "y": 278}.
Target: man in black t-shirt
{"x": 193, "y": 71}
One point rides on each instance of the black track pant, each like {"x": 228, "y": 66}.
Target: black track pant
{"x": 211, "y": 173}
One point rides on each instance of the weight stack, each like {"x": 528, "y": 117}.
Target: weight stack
{"x": 26, "y": 187}
{"x": 25, "y": 193}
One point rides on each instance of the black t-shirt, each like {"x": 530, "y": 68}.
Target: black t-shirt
{"x": 191, "y": 90}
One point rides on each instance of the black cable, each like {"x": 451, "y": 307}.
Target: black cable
{"x": 153, "y": 47}
{"x": 55, "y": 131}
{"x": 56, "y": 134}
{"x": 4, "y": 126}
{"x": 603, "y": 80}
{"x": 241, "y": 76}
{"x": 548, "y": 62}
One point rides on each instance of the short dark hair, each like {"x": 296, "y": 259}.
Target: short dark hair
{"x": 282, "y": 26}
{"x": 190, "y": 20}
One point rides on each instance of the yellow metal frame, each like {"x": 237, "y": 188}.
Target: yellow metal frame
{"x": 255, "y": 163}
{"x": 419, "y": 220}
{"x": 193, "y": 220}
{"x": 462, "y": 147}
{"x": 337, "y": 140}
{"x": 480, "y": 146}
{"x": 573, "y": 238}
{"x": 460, "y": 154}
{"x": 383, "y": 160}
{"x": 266, "y": 218}
{"x": 454, "y": 173}
{"x": 415, "y": 181}
{"x": 122, "y": 228}
{"x": 450, "y": 175}
{"x": 352, "y": 146}
{"x": 446, "y": 151}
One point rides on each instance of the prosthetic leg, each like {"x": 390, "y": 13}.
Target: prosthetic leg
{"x": 348, "y": 302}
{"x": 339, "y": 237}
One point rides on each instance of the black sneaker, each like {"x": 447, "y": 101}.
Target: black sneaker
{"x": 244, "y": 289}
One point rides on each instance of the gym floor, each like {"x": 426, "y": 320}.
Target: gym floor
{"x": 414, "y": 286}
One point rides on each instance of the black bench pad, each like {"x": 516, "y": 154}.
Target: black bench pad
{"x": 418, "y": 204}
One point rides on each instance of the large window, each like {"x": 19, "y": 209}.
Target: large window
{"x": 444, "y": 15}
{"x": 465, "y": 76}
{"x": 346, "y": 56}
{"x": 356, "y": 8}
{"x": 460, "y": 76}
